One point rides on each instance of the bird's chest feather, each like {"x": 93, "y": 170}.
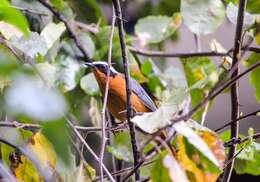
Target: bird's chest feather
{"x": 117, "y": 99}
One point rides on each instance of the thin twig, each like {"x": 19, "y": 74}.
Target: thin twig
{"x": 103, "y": 135}
{"x": 174, "y": 54}
{"x": 117, "y": 6}
{"x": 89, "y": 149}
{"x": 125, "y": 170}
{"x": 238, "y": 119}
{"x": 234, "y": 90}
{"x": 197, "y": 42}
{"x": 235, "y": 141}
{"x": 88, "y": 28}
{"x": 33, "y": 127}
{"x": 69, "y": 28}
{"x": 186, "y": 55}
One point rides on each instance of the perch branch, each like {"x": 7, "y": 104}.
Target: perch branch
{"x": 234, "y": 90}
{"x": 117, "y": 6}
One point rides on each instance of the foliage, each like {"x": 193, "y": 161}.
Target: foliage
{"x": 47, "y": 92}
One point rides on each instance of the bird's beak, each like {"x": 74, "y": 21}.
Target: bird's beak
{"x": 91, "y": 65}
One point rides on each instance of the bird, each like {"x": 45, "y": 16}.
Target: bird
{"x": 117, "y": 97}
{"x": 141, "y": 102}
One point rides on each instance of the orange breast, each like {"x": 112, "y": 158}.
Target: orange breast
{"x": 117, "y": 96}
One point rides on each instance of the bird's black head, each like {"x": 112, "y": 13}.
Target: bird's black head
{"x": 102, "y": 67}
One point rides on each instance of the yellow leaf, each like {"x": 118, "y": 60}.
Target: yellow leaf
{"x": 257, "y": 39}
{"x": 84, "y": 173}
{"x": 24, "y": 169}
{"x": 43, "y": 149}
{"x": 187, "y": 163}
{"x": 215, "y": 145}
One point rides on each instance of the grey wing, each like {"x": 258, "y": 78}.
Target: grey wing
{"x": 141, "y": 93}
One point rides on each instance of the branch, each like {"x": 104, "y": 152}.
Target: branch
{"x": 88, "y": 28}
{"x": 234, "y": 90}
{"x": 89, "y": 149}
{"x": 186, "y": 55}
{"x": 104, "y": 137}
{"x": 33, "y": 127}
{"x": 238, "y": 119}
{"x": 174, "y": 54}
{"x": 235, "y": 141}
{"x": 69, "y": 28}
{"x": 116, "y": 4}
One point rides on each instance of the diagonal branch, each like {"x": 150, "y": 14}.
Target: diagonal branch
{"x": 89, "y": 149}
{"x": 238, "y": 119}
{"x": 117, "y": 6}
{"x": 234, "y": 89}
{"x": 69, "y": 28}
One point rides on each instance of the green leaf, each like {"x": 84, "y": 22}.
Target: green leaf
{"x": 232, "y": 12}
{"x": 201, "y": 75}
{"x": 84, "y": 173}
{"x": 254, "y": 77}
{"x": 102, "y": 39}
{"x": 168, "y": 7}
{"x": 196, "y": 141}
{"x": 6, "y": 150}
{"x": 52, "y": 33}
{"x": 15, "y": 136}
{"x": 159, "y": 171}
{"x": 248, "y": 167}
{"x": 252, "y": 6}
{"x": 47, "y": 72}
{"x": 154, "y": 29}
{"x": 8, "y": 30}
{"x": 60, "y": 140}
{"x": 202, "y": 16}
{"x": 152, "y": 121}
{"x": 12, "y": 16}
{"x": 94, "y": 7}
{"x": 70, "y": 47}
{"x": 8, "y": 62}
{"x": 248, "y": 161}
{"x": 122, "y": 148}
{"x": 30, "y": 47}
{"x": 37, "y": 23}
{"x": 69, "y": 73}
{"x": 89, "y": 84}
{"x": 58, "y": 3}
{"x": 26, "y": 97}
{"x": 146, "y": 67}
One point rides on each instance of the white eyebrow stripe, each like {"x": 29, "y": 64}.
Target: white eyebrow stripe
{"x": 112, "y": 69}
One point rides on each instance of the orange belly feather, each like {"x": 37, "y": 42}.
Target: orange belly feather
{"x": 117, "y": 100}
